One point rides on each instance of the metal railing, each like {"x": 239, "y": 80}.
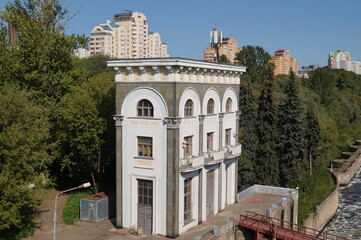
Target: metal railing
{"x": 297, "y": 231}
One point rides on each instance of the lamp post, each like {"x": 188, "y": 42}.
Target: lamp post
{"x": 84, "y": 185}
{"x": 312, "y": 150}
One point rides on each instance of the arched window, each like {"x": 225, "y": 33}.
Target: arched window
{"x": 229, "y": 105}
{"x": 145, "y": 108}
{"x": 188, "y": 108}
{"x": 210, "y": 106}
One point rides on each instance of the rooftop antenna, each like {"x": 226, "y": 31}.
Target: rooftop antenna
{"x": 216, "y": 42}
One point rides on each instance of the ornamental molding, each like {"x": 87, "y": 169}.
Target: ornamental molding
{"x": 221, "y": 116}
{"x": 201, "y": 118}
{"x": 172, "y": 122}
{"x": 118, "y": 120}
{"x": 238, "y": 113}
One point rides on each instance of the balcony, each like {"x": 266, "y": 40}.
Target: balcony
{"x": 233, "y": 151}
{"x": 214, "y": 157}
{"x": 191, "y": 163}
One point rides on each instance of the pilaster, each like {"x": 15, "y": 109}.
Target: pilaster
{"x": 118, "y": 168}
{"x": 172, "y": 220}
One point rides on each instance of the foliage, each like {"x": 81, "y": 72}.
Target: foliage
{"x": 267, "y": 166}
{"x": 71, "y": 210}
{"x": 224, "y": 59}
{"x": 41, "y": 58}
{"x": 313, "y": 191}
{"x": 95, "y": 64}
{"x": 24, "y": 132}
{"x": 84, "y": 129}
{"x": 256, "y": 59}
{"x": 290, "y": 141}
{"x": 248, "y": 136}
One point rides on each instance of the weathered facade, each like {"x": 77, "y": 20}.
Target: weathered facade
{"x": 176, "y": 151}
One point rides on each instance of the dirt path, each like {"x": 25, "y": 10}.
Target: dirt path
{"x": 44, "y": 216}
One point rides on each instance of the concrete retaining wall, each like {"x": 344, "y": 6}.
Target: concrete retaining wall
{"x": 324, "y": 212}
{"x": 345, "y": 178}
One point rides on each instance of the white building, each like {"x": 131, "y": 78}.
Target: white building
{"x": 177, "y": 149}
{"x": 82, "y": 53}
{"x": 353, "y": 66}
{"x": 127, "y": 36}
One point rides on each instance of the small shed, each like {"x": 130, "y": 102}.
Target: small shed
{"x": 97, "y": 207}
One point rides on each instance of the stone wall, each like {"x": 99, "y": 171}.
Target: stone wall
{"x": 325, "y": 211}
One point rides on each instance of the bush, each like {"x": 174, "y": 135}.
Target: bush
{"x": 71, "y": 211}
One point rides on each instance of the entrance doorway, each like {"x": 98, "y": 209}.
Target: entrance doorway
{"x": 210, "y": 193}
{"x": 145, "y": 205}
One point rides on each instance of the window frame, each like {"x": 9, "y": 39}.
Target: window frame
{"x": 189, "y": 110}
{"x": 210, "y": 106}
{"x": 145, "y": 106}
{"x": 144, "y": 149}
{"x": 229, "y": 104}
{"x": 188, "y": 148}
{"x": 210, "y": 139}
{"x": 228, "y": 134}
{"x": 187, "y": 210}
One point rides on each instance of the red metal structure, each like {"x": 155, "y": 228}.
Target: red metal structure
{"x": 279, "y": 229}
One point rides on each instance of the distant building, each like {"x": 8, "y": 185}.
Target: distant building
{"x": 82, "y": 53}
{"x": 334, "y": 58}
{"x": 283, "y": 62}
{"x": 127, "y": 36}
{"x": 305, "y": 70}
{"x": 176, "y": 154}
{"x": 229, "y": 48}
{"x": 353, "y": 66}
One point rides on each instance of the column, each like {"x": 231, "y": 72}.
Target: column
{"x": 201, "y": 171}
{"x": 119, "y": 188}
{"x": 173, "y": 143}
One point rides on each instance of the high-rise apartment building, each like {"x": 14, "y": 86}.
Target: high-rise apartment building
{"x": 283, "y": 62}
{"x": 334, "y": 58}
{"x": 229, "y": 48}
{"x": 127, "y": 36}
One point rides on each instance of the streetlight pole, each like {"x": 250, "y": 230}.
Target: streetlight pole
{"x": 84, "y": 185}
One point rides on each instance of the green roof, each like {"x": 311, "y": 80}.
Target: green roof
{"x": 339, "y": 51}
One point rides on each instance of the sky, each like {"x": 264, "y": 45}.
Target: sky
{"x": 310, "y": 29}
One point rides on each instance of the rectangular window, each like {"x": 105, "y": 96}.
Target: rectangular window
{"x": 228, "y": 136}
{"x": 210, "y": 141}
{"x": 187, "y": 199}
{"x": 188, "y": 141}
{"x": 145, "y": 147}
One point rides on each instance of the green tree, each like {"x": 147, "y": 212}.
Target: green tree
{"x": 41, "y": 58}
{"x": 248, "y": 136}
{"x": 312, "y": 134}
{"x": 290, "y": 147}
{"x": 95, "y": 64}
{"x": 224, "y": 59}
{"x": 24, "y": 135}
{"x": 86, "y": 128}
{"x": 256, "y": 59}
{"x": 267, "y": 167}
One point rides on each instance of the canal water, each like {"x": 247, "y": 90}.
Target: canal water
{"x": 347, "y": 222}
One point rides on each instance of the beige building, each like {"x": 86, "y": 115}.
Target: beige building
{"x": 127, "y": 36}
{"x": 229, "y": 48}
{"x": 283, "y": 62}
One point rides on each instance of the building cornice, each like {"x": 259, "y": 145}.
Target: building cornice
{"x": 175, "y": 70}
